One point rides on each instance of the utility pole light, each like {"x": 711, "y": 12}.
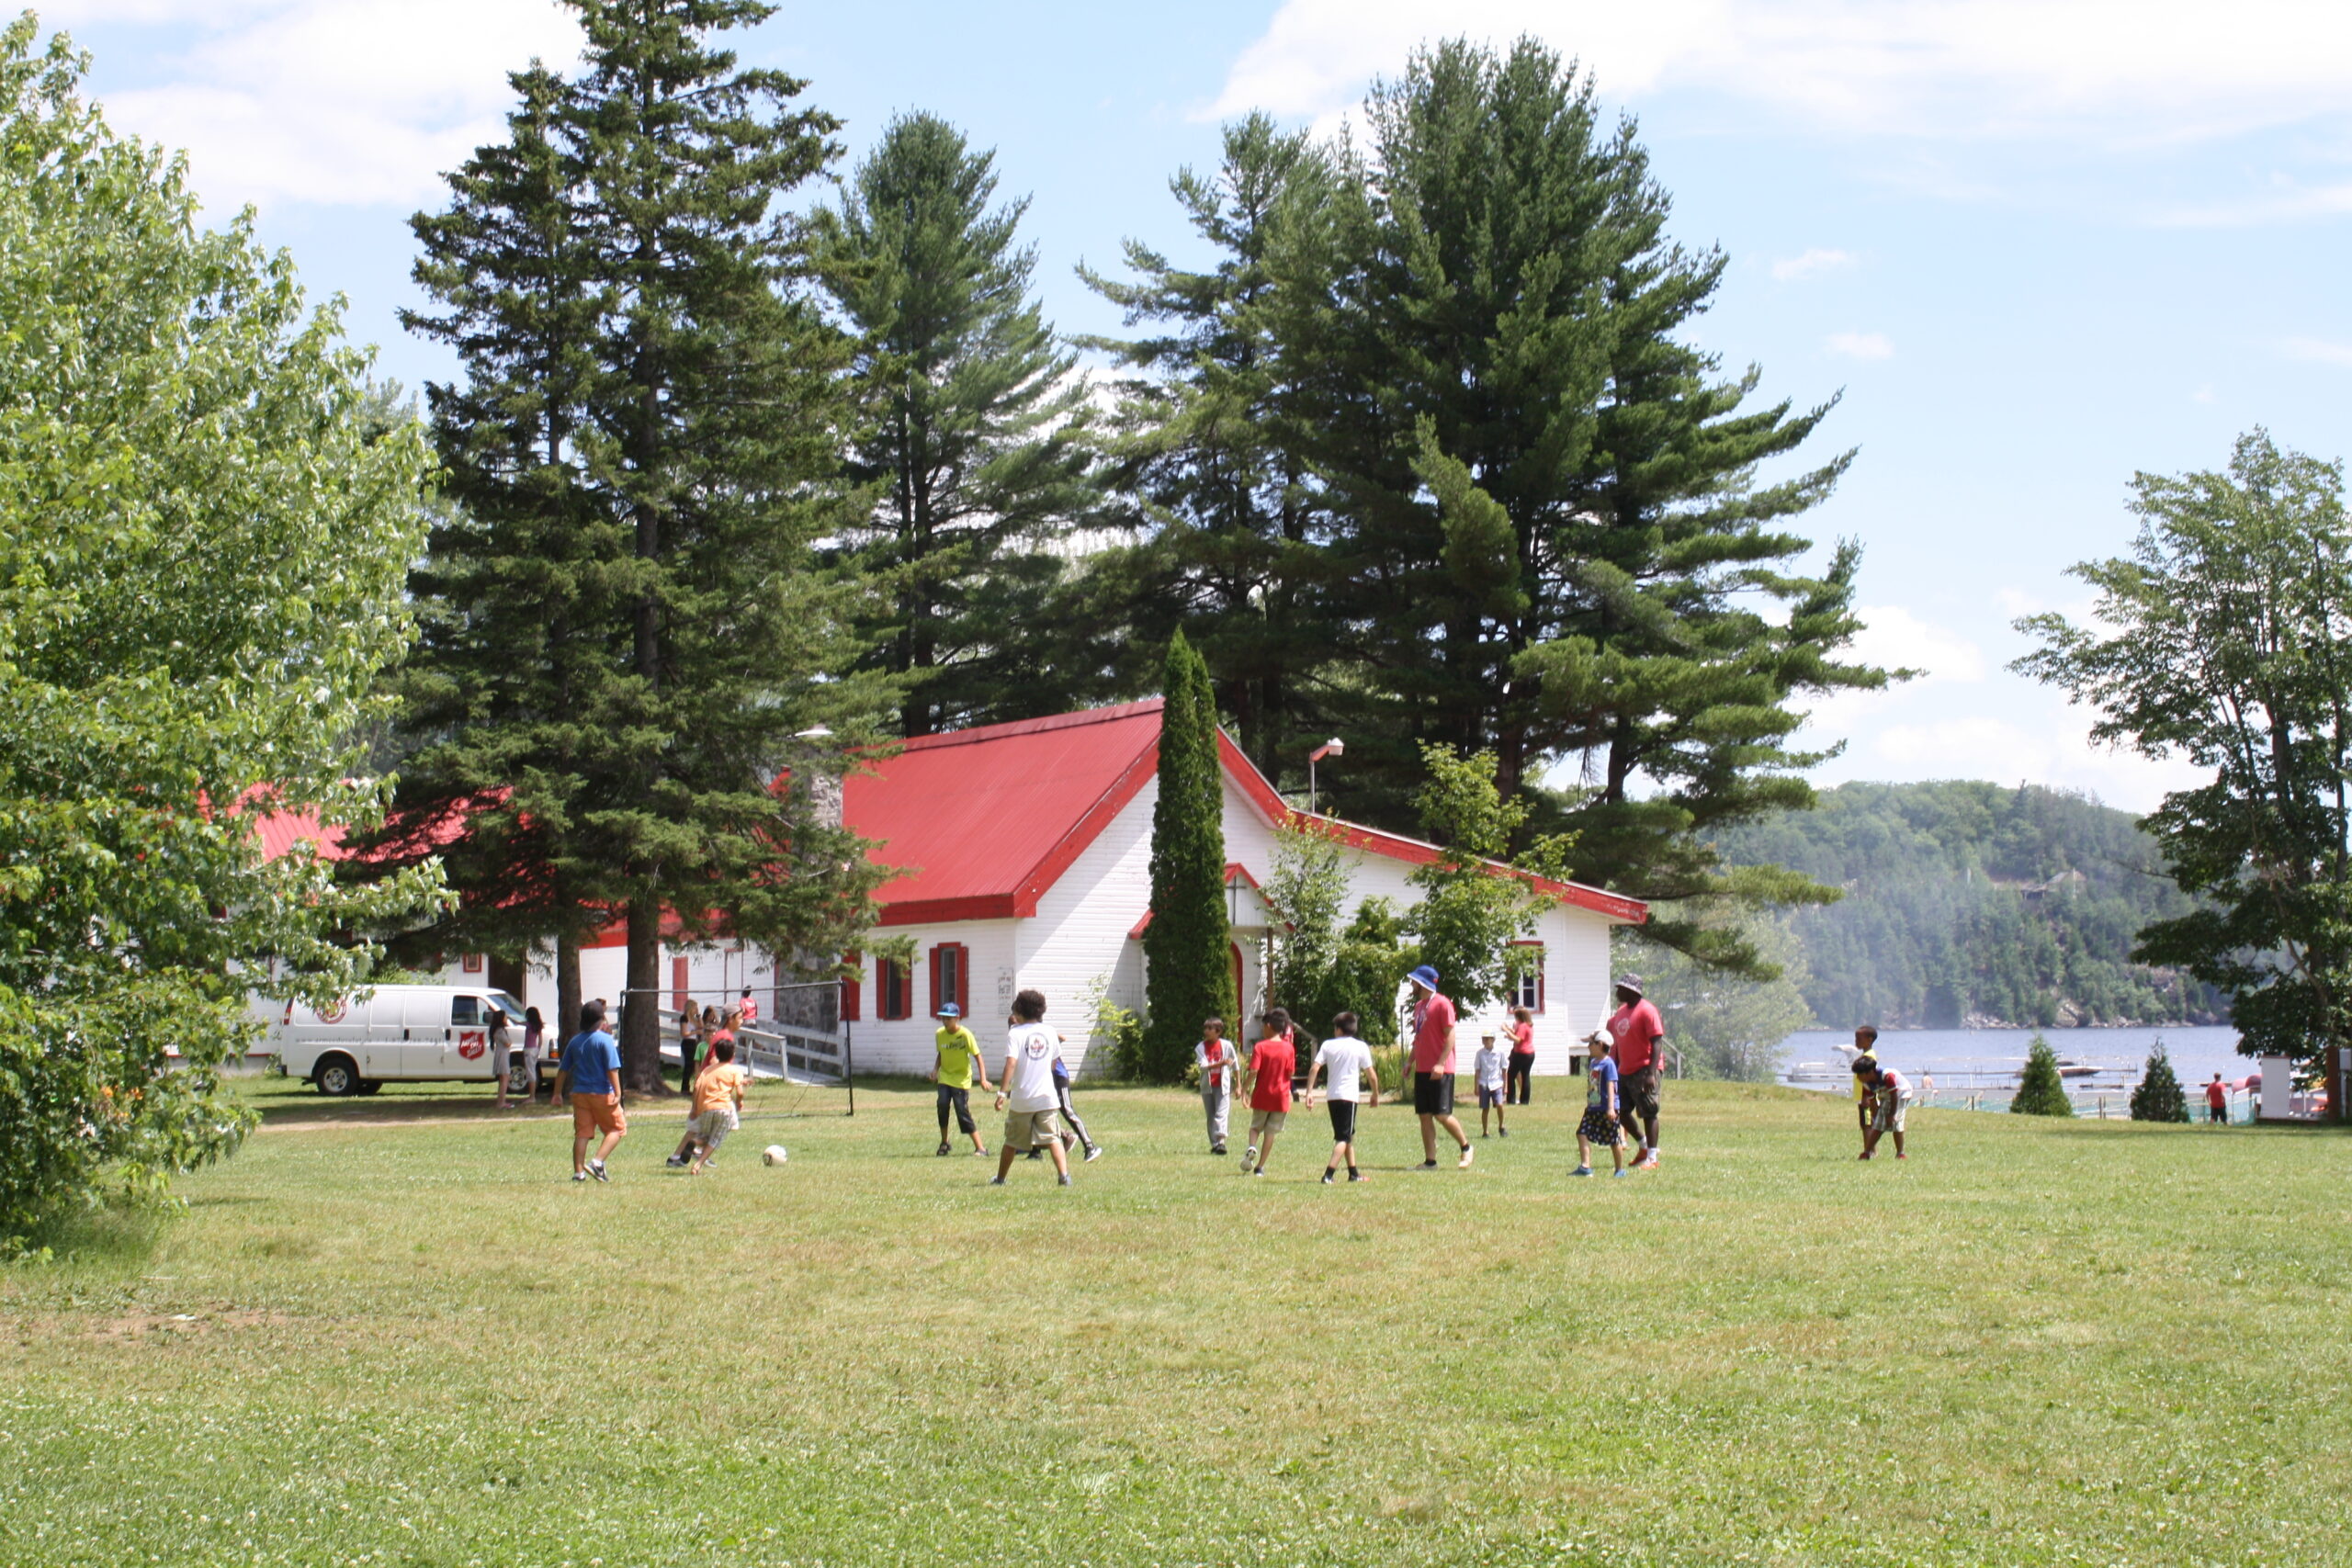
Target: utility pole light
{"x": 1335, "y": 746}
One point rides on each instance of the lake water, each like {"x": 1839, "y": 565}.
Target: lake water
{"x": 1983, "y": 1064}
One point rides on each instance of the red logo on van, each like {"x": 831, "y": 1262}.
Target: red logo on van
{"x": 332, "y": 1012}
{"x": 471, "y": 1043}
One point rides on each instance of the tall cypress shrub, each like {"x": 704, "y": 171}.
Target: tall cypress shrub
{"x": 1187, "y": 953}
{"x": 2159, "y": 1098}
{"x": 2041, "y": 1091}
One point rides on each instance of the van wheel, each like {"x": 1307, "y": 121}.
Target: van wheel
{"x": 369, "y": 1086}
{"x": 337, "y": 1075}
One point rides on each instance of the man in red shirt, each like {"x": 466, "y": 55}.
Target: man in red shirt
{"x": 2217, "y": 1100}
{"x": 1635, "y": 1031}
{"x": 1433, "y": 1067}
{"x": 1271, "y": 1063}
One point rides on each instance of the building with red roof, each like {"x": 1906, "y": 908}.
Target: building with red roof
{"x": 1023, "y": 852}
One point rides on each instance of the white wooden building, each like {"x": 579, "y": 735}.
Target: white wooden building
{"x": 1027, "y": 847}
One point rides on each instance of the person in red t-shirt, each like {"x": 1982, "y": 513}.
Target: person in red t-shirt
{"x": 1635, "y": 1036}
{"x": 2217, "y": 1100}
{"x": 1521, "y": 1068}
{"x": 1272, "y": 1062}
{"x": 1433, "y": 1067}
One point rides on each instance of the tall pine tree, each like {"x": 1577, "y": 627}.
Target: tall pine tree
{"x": 1203, "y": 437}
{"x": 972, "y": 434}
{"x": 630, "y": 631}
{"x": 1187, "y": 948}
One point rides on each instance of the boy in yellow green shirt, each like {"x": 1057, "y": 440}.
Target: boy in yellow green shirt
{"x": 958, "y": 1062}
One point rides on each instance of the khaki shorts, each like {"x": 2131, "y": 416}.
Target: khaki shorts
{"x": 1889, "y": 1115}
{"x": 1267, "y": 1121}
{"x": 593, "y": 1114}
{"x": 1026, "y": 1130}
{"x": 709, "y": 1128}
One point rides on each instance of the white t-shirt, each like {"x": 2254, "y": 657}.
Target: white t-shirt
{"x": 1344, "y": 1060}
{"x": 1030, "y": 1085}
{"x": 1487, "y": 1067}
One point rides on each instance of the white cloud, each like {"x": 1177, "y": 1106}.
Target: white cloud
{"x": 1860, "y": 346}
{"x": 2115, "y": 70}
{"x": 333, "y": 101}
{"x": 2288, "y": 204}
{"x": 2317, "y": 349}
{"x": 1894, "y": 638}
{"x": 1791, "y": 269}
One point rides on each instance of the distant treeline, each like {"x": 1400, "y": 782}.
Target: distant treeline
{"x": 1970, "y": 904}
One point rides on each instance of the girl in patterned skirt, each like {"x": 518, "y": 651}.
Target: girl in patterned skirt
{"x": 1599, "y": 1124}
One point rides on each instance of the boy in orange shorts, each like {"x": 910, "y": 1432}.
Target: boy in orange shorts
{"x": 592, "y": 1077}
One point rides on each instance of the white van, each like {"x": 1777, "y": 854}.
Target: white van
{"x": 399, "y": 1034}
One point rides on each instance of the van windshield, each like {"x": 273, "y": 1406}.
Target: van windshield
{"x": 507, "y": 1005}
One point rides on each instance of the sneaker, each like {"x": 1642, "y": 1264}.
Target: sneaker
{"x": 1358, "y": 1176}
{"x": 979, "y": 1154}
{"x": 945, "y": 1151}
{"x": 1093, "y": 1153}
{"x": 1426, "y": 1165}
{"x": 579, "y": 1175}
{"x": 1326, "y": 1178}
{"x": 1649, "y": 1160}
{"x": 1901, "y": 1157}
{"x": 1468, "y": 1153}
{"x": 1259, "y": 1171}
{"x": 1502, "y": 1131}
{"x": 1218, "y": 1149}
{"x": 674, "y": 1161}
{"x": 596, "y": 1170}
{"x": 1620, "y": 1170}
{"x": 1065, "y": 1180}
{"x": 1581, "y": 1170}
{"x": 1036, "y": 1154}
{"x": 996, "y": 1181}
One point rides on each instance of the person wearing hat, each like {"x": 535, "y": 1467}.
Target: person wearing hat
{"x": 959, "y": 1058}
{"x": 1433, "y": 1067}
{"x": 1634, "y": 1036}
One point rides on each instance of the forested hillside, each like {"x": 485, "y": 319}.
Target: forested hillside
{"x": 1967, "y": 903}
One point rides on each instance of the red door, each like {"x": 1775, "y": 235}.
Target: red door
{"x": 679, "y": 995}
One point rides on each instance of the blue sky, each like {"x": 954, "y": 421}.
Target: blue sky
{"x": 2036, "y": 244}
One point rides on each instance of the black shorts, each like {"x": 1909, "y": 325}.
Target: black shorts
{"x": 960, "y": 1101}
{"x": 1637, "y": 1095}
{"x": 1343, "y": 1120}
{"x": 1433, "y": 1094}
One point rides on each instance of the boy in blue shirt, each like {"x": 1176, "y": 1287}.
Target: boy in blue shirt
{"x": 591, "y": 1075}
{"x": 1599, "y": 1124}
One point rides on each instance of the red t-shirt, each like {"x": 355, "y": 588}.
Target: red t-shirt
{"x": 1433, "y": 1035}
{"x": 2217, "y": 1096}
{"x": 1272, "y": 1062}
{"x": 1636, "y": 1031}
{"x": 1522, "y": 1040}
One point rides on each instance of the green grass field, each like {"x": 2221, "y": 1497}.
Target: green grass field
{"x": 390, "y": 1331}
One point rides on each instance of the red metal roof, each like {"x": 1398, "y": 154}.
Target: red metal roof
{"x": 986, "y": 820}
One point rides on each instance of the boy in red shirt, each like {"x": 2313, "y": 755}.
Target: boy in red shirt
{"x": 1634, "y": 1033}
{"x": 1433, "y": 1067}
{"x": 1271, "y": 1063}
{"x": 2217, "y": 1100}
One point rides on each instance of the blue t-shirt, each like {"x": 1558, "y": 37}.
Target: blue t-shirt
{"x": 594, "y": 1061}
{"x": 1605, "y": 1073}
{"x": 1061, "y": 1074}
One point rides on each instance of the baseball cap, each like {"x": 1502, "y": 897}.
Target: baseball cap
{"x": 949, "y": 1009}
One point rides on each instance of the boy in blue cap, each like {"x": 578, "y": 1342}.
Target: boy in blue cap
{"x": 958, "y": 1059}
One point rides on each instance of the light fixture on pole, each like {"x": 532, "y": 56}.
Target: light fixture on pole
{"x": 1335, "y": 746}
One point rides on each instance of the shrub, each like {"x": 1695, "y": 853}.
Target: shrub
{"x": 2159, "y": 1098}
{"x": 2041, "y": 1091}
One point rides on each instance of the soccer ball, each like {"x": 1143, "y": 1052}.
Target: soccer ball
{"x": 774, "y": 1154}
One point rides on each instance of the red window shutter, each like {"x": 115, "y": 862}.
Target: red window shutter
{"x": 935, "y": 998}
{"x": 850, "y": 988}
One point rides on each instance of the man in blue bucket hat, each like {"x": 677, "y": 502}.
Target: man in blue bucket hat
{"x": 959, "y": 1058}
{"x": 1433, "y": 1067}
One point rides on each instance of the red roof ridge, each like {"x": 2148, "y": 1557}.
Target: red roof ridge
{"x": 1013, "y": 727}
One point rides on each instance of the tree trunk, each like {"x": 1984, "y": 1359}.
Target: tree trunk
{"x": 641, "y": 1001}
{"x": 567, "y": 990}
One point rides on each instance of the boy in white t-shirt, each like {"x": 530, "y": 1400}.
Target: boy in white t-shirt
{"x": 1029, "y": 1052}
{"x": 1218, "y": 1063}
{"x": 1487, "y": 1072}
{"x": 1345, "y": 1063}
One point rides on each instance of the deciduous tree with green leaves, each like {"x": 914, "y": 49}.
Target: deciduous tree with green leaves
{"x": 972, "y": 437}
{"x": 202, "y": 547}
{"x": 2225, "y": 638}
{"x": 1472, "y": 909}
{"x": 1187, "y": 948}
